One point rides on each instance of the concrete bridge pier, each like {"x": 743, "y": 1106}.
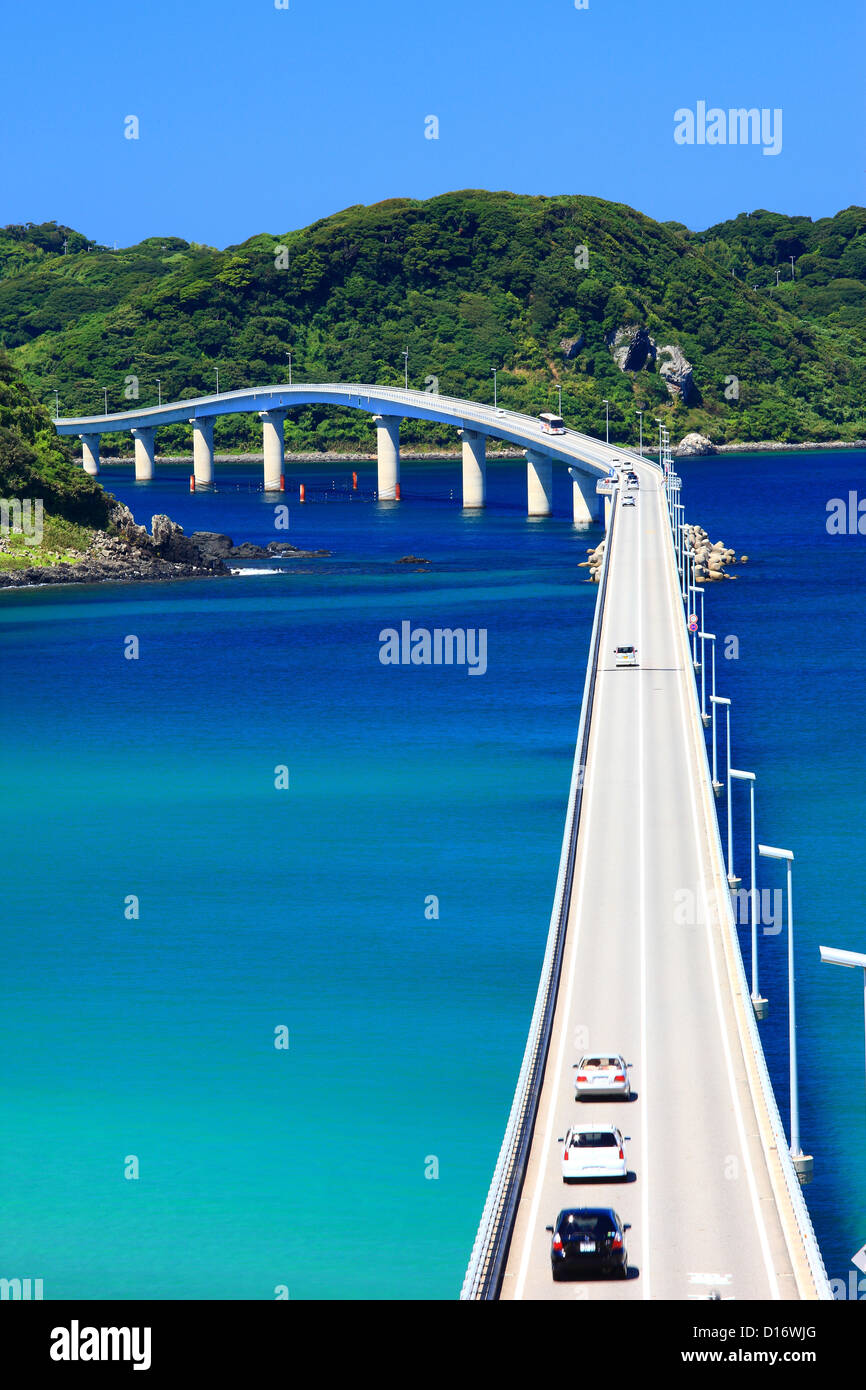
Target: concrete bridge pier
{"x": 539, "y": 483}
{"x": 90, "y": 453}
{"x": 388, "y": 450}
{"x": 584, "y": 498}
{"x": 474, "y": 468}
{"x": 144, "y": 438}
{"x": 202, "y": 450}
{"x": 273, "y": 447}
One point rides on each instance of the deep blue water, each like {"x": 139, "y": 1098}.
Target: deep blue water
{"x": 306, "y": 908}
{"x": 797, "y": 721}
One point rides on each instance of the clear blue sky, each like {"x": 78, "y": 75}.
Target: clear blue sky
{"x": 258, "y": 119}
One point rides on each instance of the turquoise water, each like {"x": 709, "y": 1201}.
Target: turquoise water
{"x": 306, "y": 907}
{"x": 261, "y": 907}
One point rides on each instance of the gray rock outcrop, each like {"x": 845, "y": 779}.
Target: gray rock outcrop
{"x": 676, "y": 370}
{"x": 570, "y": 347}
{"x": 630, "y": 347}
{"x": 694, "y": 444}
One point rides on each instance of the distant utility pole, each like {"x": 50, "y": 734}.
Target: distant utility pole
{"x": 105, "y": 393}
{"x": 778, "y": 273}
{"x": 791, "y": 258}
{"x": 158, "y": 391}
{"x": 65, "y": 245}
{"x": 56, "y": 404}
{"x": 218, "y": 379}
{"x": 406, "y": 367}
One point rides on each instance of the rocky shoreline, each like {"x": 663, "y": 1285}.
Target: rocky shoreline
{"x": 131, "y": 554}
{"x": 700, "y": 446}
{"x": 705, "y": 446}
{"x": 325, "y": 457}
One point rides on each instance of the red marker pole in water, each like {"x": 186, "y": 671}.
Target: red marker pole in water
{"x": 192, "y": 482}
{"x": 354, "y": 482}
{"x": 396, "y": 492}
{"x": 282, "y": 482}
{"x": 303, "y": 493}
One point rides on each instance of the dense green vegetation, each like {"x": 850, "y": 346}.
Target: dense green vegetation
{"x": 468, "y": 281}
{"x": 35, "y": 463}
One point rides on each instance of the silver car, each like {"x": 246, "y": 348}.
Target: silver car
{"x": 602, "y": 1074}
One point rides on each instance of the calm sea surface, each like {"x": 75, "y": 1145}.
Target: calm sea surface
{"x": 150, "y": 1039}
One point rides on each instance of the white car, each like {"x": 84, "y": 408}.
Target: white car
{"x": 633, "y": 482}
{"x": 628, "y": 502}
{"x": 625, "y": 656}
{"x": 602, "y": 1074}
{"x": 594, "y": 1151}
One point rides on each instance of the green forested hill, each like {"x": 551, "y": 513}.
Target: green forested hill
{"x": 468, "y": 281}
{"x": 34, "y": 462}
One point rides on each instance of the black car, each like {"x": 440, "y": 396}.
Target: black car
{"x": 588, "y": 1240}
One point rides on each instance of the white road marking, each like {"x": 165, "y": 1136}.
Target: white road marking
{"x": 760, "y": 1226}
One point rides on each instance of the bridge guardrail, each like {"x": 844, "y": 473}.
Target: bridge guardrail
{"x": 486, "y": 1267}
{"x": 800, "y": 1210}
{"x": 480, "y": 412}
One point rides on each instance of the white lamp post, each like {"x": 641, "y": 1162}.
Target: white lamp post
{"x": 733, "y": 881}
{"x": 495, "y": 397}
{"x": 722, "y": 700}
{"x": 406, "y": 368}
{"x": 159, "y": 391}
{"x": 705, "y": 718}
{"x": 640, "y": 418}
{"x": 759, "y": 1004}
{"x": 690, "y": 584}
{"x": 289, "y": 355}
{"x": 690, "y": 610}
{"x": 607, "y": 421}
{"x": 689, "y": 587}
{"x": 699, "y": 665}
{"x": 803, "y": 1163}
{"x": 853, "y": 959}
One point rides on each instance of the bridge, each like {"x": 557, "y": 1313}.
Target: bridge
{"x": 713, "y": 1199}
{"x": 588, "y": 458}
{"x": 713, "y": 1196}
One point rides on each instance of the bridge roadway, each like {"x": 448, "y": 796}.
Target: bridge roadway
{"x": 588, "y": 458}
{"x": 701, "y": 1202}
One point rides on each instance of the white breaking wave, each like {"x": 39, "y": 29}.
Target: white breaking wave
{"x": 258, "y": 571}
